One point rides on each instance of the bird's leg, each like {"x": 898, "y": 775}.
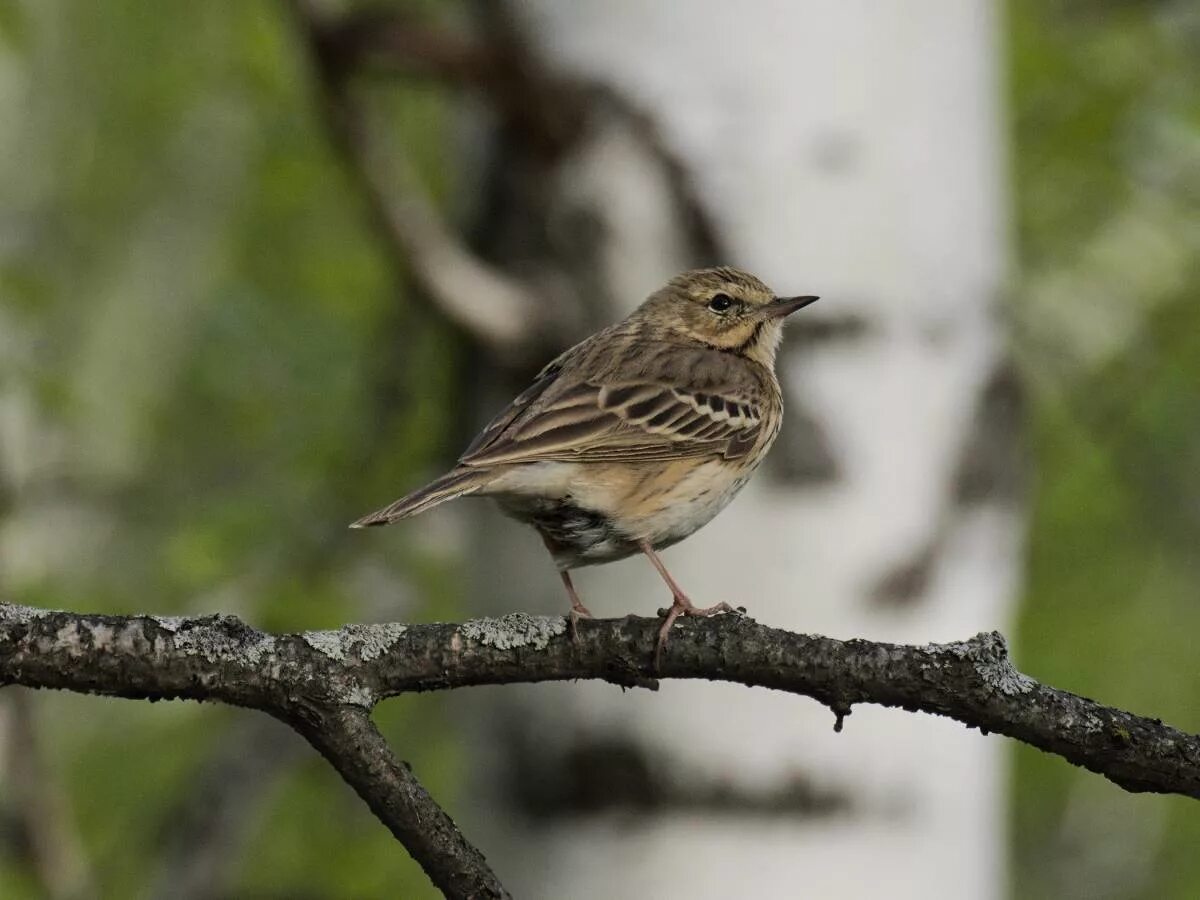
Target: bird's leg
{"x": 578, "y": 610}
{"x": 681, "y": 605}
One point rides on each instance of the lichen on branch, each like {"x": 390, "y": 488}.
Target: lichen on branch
{"x": 325, "y": 683}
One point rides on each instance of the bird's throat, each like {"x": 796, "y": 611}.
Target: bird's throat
{"x": 762, "y": 343}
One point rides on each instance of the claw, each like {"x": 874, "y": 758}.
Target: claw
{"x": 578, "y": 611}
{"x": 684, "y": 607}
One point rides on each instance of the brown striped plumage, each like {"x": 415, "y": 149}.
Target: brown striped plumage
{"x": 637, "y": 436}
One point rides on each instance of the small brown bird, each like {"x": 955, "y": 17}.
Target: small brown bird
{"x": 637, "y": 436}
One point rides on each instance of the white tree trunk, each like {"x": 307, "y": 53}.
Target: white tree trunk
{"x": 853, "y": 150}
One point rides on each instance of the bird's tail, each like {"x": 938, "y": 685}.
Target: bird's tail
{"x": 457, "y": 483}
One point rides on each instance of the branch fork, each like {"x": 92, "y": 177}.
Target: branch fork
{"x": 324, "y": 684}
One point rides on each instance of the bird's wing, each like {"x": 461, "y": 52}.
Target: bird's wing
{"x": 495, "y": 429}
{"x": 615, "y": 422}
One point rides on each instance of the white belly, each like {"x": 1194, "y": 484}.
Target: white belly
{"x": 692, "y": 502}
{"x": 599, "y": 513}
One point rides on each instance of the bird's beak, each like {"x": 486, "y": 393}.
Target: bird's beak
{"x": 785, "y": 306}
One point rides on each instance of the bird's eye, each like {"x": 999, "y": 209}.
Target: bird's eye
{"x": 720, "y": 303}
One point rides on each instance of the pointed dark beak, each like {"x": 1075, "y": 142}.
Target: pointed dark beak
{"x": 785, "y": 306}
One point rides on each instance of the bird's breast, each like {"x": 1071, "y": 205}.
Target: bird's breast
{"x": 682, "y": 497}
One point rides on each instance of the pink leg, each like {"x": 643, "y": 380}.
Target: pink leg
{"x": 578, "y": 610}
{"x": 682, "y": 605}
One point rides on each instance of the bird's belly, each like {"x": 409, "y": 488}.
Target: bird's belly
{"x": 684, "y": 500}
{"x": 575, "y": 535}
{"x": 574, "y": 507}
{"x": 596, "y": 513}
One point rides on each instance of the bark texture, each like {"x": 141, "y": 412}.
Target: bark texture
{"x": 325, "y": 684}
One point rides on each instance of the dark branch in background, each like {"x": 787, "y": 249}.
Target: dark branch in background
{"x": 546, "y": 114}
{"x": 550, "y": 111}
{"x": 324, "y": 684}
{"x": 37, "y": 822}
{"x": 602, "y": 773}
{"x": 204, "y": 833}
{"x": 496, "y": 310}
{"x": 39, "y": 810}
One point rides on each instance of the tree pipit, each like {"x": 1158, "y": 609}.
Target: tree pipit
{"x": 634, "y": 438}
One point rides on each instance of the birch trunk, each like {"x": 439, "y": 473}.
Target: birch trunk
{"x": 851, "y": 150}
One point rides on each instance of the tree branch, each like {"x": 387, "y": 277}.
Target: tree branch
{"x": 346, "y": 736}
{"x": 496, "y": 310}
{"x": 543, "y": 117}
{"x": 324, "y": 684}
{"x": 310, "y": 681}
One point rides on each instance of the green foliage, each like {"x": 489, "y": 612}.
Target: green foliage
{"x": 1111, "y": 610}
{"x": 229, "y": 370}
{"x": 223, "y": 369}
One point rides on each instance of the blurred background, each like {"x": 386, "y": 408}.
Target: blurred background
{"x": 266, "y": 265}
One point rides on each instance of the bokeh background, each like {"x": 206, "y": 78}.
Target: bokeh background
{"x": 216, "y": 349}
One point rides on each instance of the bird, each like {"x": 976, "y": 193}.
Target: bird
{"x": 637, "y": 436}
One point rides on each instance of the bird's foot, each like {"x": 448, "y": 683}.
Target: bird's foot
{"x": 684, "y": 607}
{"x": 578, "y": 611}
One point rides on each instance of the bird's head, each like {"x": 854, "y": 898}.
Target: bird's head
{"x": 725, "y": 308}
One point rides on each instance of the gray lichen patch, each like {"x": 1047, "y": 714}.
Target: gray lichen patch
{"x": 369, "y": 641}
{"x": 1004, "y": 676}
{"x": 209, "y": 643}
{"x": 327, "y": 642}
{"x": 988, "y": 651}
{"x": 21, "y": 615}
{"x": 261, "y": 651}
{"x": 374, "y": 640}
{"x": 169, "y": 623}
{"x": 515, "y": 630}
{"x": 357, "y": 695}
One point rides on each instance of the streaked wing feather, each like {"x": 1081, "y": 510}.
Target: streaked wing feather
{"x": 642, "y": 421}
{"x": 495, "y": 429}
